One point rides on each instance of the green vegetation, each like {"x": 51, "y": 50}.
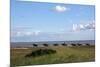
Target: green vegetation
{"x": 63, "y": 54}
{"x": 40, "y": 52}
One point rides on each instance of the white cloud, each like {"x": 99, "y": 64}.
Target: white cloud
{"x": 37, "y": 32}
{"x": 19, "y": 33}
{"x": 28, "y": 33}
{"x": 79, "y": 27}
{"x": 59, "y": 8}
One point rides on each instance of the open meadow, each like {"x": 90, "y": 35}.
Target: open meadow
{"x": 64, "y": 54}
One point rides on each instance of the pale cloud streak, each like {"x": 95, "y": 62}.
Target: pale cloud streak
{"x": 20, "y": 33}
{"x": 79, "y": 27}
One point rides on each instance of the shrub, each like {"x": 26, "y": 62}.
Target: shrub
{"x": 79, "y": 44}
{"x": 87, "y": 44}
{"x": 40, "y": 52}
{"x": 35, "y": 45}
{"x": 64, "y": 44}
{"x": 73, "y": 44}
{"x": 55, "y": 44}
{"x": 46, "y": 45}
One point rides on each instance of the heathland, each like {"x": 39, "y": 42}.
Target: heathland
{"x": 62, "y": 54}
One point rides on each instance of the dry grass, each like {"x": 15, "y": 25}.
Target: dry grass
{"x": 64, "y": 55}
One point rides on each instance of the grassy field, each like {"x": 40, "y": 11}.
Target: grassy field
{"x": 63, "y": 55}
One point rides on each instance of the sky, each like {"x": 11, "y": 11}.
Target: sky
{"x": 38, "y": 21}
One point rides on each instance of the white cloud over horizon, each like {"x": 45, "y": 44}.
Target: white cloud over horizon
{"x": 47, "y": 36}
{"x": 21, "y": 33}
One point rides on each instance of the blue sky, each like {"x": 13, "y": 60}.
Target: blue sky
{"x": 34, "y": 21}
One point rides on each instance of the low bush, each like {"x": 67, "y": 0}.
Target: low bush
{"x": 46, "y": 45}
{"x": 35, "y": 45}
{"x": 64, "y": 44}
{"x": 79, "y": 44}
{"x": 87, "y": 44}
{"x": 55, "y": 44}
{"x": 41, "y": 52}
{"x": 73, "y": 44}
